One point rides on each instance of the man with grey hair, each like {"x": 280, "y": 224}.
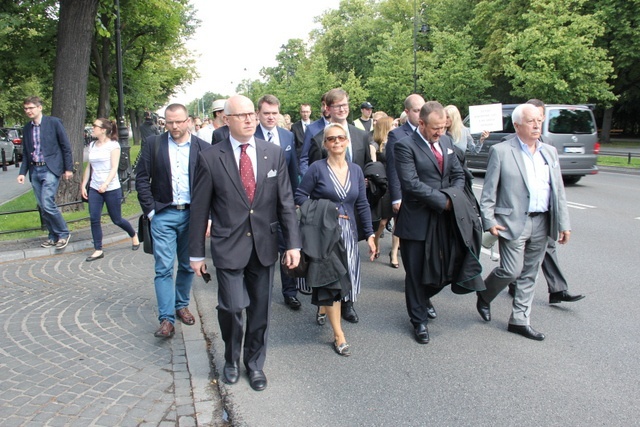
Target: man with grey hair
{"x": 523, "y": 202}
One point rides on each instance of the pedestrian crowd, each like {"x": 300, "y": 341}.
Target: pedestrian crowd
{"x": 299, "y": 197}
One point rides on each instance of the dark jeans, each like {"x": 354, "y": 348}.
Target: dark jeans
{"x": 113, "y": 199}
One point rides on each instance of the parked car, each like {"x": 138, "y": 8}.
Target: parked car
{"x": 6, "y": 144}
{"x": 570, "y": 128}
{"x": 15, "y": 136}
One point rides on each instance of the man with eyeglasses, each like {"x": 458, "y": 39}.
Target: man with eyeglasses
{"x": 243, "y": 182}
{"x": 47, "y": 156}
{"x": 164, "y": 181}
{"x": 268, "y": 110}
{"x": 358, "y": 152}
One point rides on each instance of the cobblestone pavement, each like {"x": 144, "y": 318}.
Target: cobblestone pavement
{"x": 78, "y": 346}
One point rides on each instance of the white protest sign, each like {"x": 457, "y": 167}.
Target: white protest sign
{"x": 485, "y": 117}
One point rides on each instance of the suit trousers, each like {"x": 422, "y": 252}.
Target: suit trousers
{"x": 247, "y": 289}
{"x": 551, "y": 270}
{"x": 289, "y": 288}
{"x": 416, "y": 293}
{"x": 520, "y": 259}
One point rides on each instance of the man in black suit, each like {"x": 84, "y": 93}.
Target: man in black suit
{"x": 220, "y": 134}
{"x": 47, "y": 157}
{"x": 425, "y": 163}
{"x": 358, "y": 152}
{"x": 243, "y": 183}
{"x": 311, "y": 131}
{"x": 164, "y": 180}
{"x": 300, "y": 127}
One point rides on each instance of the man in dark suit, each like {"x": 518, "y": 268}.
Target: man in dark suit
{"x": 523, "y": 203}
{"x": 47, "y": 156}
{"x": 220, "y": 134}
{"x": 300, "y": 127}
{"x": 426, "y": 164}
{"x": 556, "y": 282}
{"x": 243, "y": 182}
{"x": 358, "y": 152}
{"x": 164, "y": 181}
{"x": 311, "y": 131}
{"x": 267, "y": 129}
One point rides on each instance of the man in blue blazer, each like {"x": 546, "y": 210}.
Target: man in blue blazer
{"x": 312, "y": 130}
{"x": 267, "y": 129}
{"x": 47, "y": 156}
{"x": 164, "y": 180}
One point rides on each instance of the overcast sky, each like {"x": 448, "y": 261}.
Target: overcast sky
{"x": 238, "y": 38}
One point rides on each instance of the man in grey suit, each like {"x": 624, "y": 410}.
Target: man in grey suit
{"x": 523, "y": 202}
{"x": 243, "y": 183}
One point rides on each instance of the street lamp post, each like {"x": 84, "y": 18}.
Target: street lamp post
{"x": 124, "y": 168}
{"x": 424, "y": 28}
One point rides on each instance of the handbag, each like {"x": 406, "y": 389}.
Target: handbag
{"x": 144, "y": 234}
{"x": 301, "y": 270}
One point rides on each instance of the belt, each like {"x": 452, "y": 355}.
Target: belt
{"x": 343, "y": 216}
{"x": 38, "y": 163}
{"x": 181, "y": 207}
{"x": 532, "y": 214}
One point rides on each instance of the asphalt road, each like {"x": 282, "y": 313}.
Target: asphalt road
{"x": 472, "y": 372}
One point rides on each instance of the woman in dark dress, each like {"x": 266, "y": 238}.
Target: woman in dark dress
{"x": 342, "y": 182}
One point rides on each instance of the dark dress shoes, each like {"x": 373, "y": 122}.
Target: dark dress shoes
{"x": 166, "y": 330}
{"x": 422, "y": 334}
{"x": 292, "y": 302}
{"x": 431, "y": 312}
{"x": 349, "y": 313}
{"x": 257, "y": 380}
{"x": 512, "y": 290}
{"x": 563, "y": 296}
{"x": 93, "y": 258}
{"x": 526, "y": 331}
{"x": 484, "y": 309}
{"x": 231, "y": 373}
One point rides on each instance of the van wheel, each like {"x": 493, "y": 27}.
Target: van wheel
{"x": 571, "y": 179}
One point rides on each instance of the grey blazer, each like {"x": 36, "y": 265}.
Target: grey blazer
{"x": 505, "y": 195}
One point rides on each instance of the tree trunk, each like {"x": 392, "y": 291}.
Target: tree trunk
{"x": 605, "y": 136}
{"x": 75, "y": 33}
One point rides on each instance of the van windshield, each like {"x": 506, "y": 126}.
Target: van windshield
{"x": 570, "y": 121}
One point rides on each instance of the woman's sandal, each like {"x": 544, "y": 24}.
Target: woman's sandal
{"x": 343, "y": 349}
{"x": 321, "y": 318}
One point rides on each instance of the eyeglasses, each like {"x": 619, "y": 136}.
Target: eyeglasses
{"x": 97, "y": 126}
{"x": 340, "y": 107}
{"x": 176, "y": 122}
{"x": 334, "y": 138}
{"x": 243, "y": 116}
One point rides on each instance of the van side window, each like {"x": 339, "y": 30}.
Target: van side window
{"x": 570, "y": 121}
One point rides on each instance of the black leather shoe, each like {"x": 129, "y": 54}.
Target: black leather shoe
{"x": 292, "y": 302}
{"x": 231, "y": 373}
{"x": 512, "y": 290}
{"x": 422, "y": 334}
{"x": 431, "y": 312}
{"x": 526, "y": 331}
{"x": 563, "y": 296}
{"x": 348, "y": 312}
{"x": 257, "y": 380}
{"x": 484, "y": 309}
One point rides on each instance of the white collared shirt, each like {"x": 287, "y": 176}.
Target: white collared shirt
{"x": 538, "y": 177}
{"x": 275, "y": 137}
{"x": 179, "y": 159}
{"x": 251, "y": 151}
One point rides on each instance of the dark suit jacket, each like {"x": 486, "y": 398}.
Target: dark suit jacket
{"x": 393, "y": 184}
{"x": 298, "y": 134}
{"x": 288, "y": 146}
{"x": 360, "y": 151}
{"x": 421, "y": 182}
{"x": 312, "y": 130}
{"x": 237, "y": 225}
{"x": 157, "y": 194}
{"x": 220, "y": 134}
{"x": 54, "y": 143}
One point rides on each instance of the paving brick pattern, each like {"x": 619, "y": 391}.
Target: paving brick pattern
{"x": 77, "y": 345}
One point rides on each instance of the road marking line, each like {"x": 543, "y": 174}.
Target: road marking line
{"x": 581, "y": 204}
